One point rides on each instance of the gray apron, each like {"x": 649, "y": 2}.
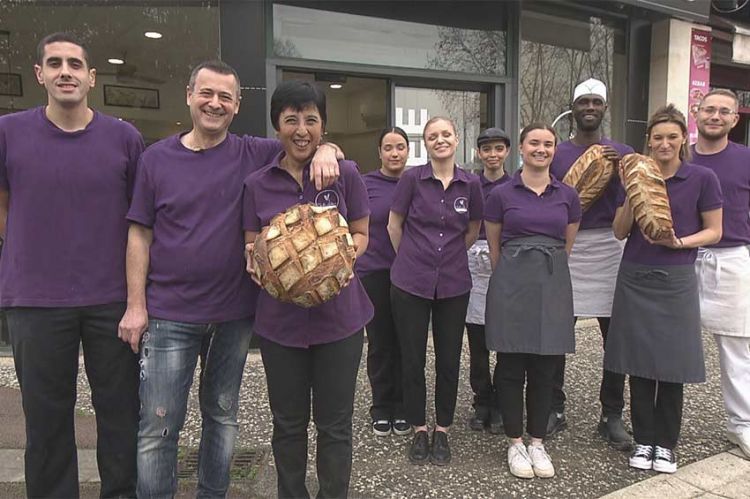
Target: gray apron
{"x": 530, "y": 299}
{"x": 655, "y": 330}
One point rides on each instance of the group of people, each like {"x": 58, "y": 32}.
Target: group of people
{"x": 137, "y": 254}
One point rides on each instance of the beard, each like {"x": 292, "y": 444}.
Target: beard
{"x": 585, "y": 126}
{"x": 712, "y": 135}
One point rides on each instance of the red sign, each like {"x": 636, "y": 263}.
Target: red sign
{"x": 700, "y": 73}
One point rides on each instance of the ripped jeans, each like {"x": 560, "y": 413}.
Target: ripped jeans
{"x": 169, "y": 352}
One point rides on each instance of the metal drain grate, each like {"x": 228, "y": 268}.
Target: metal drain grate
{"x": 246, "y": 464}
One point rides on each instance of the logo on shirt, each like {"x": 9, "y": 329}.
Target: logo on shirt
{"x": 461, "y": 205}
{"x": 327, "y": 198}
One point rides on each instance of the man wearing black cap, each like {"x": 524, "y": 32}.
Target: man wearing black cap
{"x": 493, "y": 146}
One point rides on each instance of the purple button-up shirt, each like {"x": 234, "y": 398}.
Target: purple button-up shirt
{"x": 268, "y": 193}
{"x": 380, "y": 253}
{"x": 692, "y": 190}
{"x": 732, "y": 167}
{"x": 487, "y": 186}
{"x": 431, "y": 261}
{"x": 602, "y": 212}
{"x": 523, "y": 213}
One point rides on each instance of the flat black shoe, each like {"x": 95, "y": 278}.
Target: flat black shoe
{"x": 419, "y": 451}
{"x": 496, "y": 423}
{"x": 555, "y": 423}
{"x": 613, "y": 431}
{"x": 441, "y": 451}
{"x": 479, "y": 419}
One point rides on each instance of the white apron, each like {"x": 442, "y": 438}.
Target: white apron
{"x": 481, "y": 270}
{"x": 593, "y": 271}
{"x": 724, "y": 290}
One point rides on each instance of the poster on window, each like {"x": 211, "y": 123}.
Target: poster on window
{"x": 700, "y": 73}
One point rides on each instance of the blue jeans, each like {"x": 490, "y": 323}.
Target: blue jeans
{"x": 169, "y": 352}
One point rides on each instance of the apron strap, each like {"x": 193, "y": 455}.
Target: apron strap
{"x": 546, "y": 250}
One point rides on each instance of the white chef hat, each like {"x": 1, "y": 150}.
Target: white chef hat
{"x": 591, "y": 86}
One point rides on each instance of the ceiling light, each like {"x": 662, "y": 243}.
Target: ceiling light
{"x": 178, "y": 123}
{"x": 152, "y": 34}
{"x": 336, "y": 86}
{"x": 115, "y": 60}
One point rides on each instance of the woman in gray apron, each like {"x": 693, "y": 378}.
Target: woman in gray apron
{"x": 531, "y": 223}
{"x": 655, "y": 334}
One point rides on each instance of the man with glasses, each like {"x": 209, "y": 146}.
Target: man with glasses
{"x": 724, "y": 268}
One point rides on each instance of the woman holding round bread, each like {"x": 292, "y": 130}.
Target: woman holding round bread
{"x": 434, "y": 219}
{"x": 308, "y": 351}
{"x": 531, "y": 223}
{"x": 374, "y": 269}
{"x": 655, "y": 334}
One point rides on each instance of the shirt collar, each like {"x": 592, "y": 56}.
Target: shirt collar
{"x": 459, "y": 174}
{"x": 487, "y": 182}
{"x": 683, "y": 171}
{"x": 517, "y": 182}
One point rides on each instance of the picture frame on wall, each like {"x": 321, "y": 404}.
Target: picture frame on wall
{"x": 137, "y": 97}
{"x": 11, "y": 84}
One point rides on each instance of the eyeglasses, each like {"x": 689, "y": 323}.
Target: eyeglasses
{"x": 724, "y": 112}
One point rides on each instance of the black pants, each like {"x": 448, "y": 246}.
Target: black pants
{"x": 611, "y": 390}
{"x": 412, "y": 315}
{"x": 656, "y": 411}
{"x": 485, "y": 392}
{"x": 383, "y": 351}
{"x": 45, "y": 349}
{"x": 329, "y": 373}
{"x": 537, "y": 372}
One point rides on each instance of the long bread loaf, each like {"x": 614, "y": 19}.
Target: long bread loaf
{"x": 590, "y": 175}
{"x": 647, "y": 195}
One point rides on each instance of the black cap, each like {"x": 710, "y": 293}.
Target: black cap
{"x": 490, "y": 134}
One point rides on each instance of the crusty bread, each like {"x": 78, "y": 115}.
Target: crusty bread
{"x": 647, "y": 195}
{"x": 305, "y": 255}
{"x": 590, "y": 175}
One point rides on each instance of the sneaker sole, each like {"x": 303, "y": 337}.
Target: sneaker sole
{"x": 736, "y": 441}
{"x": 401, "y": 433}
{"x": 526, "y": 476}
{"x": 621, "y": 446}
{"x": 544, "y": 474}
{"x": 665, "y": 468}
{"x": 381, "y": 433}
{"x": 641, "y": 466}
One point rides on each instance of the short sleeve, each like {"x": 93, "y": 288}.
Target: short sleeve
{"x": 574, "y": 210}
{"x": 135, "y": 148}
{"x": 404, "y": 193}
{"x": 357, "y": 201}
{"x": 262, "y": 151}
{"x": 250, "y": 219}
{"x": 711, "y": 197}
{"x": 494, "y": 210}
{"x": 476, "y": 200}
{"x": 142, "y": 206}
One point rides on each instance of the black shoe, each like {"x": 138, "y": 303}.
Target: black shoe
{"x": 613, "y": 431}
{"x": 419, "y": 451}
{"x": 479, "y": 418}
{"x": 556, "y": 423}
{"x": 496, "y": 422}
{"x": 401, "y": 427}
{"x": 381, "y": 427}
{"x": 441, "y": 451}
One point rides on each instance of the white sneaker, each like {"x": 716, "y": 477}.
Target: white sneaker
{"x": 540, "y": 461}
{"x": 742, "y": 439}
{"x": 664, "y": 460}
{"x": 519, "y": 461}
{"x": 642, "y": 457}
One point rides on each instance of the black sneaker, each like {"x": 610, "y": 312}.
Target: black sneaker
{"x": 664, "y": 460}
{"x": 401, "y": 427}
{"x": 419, "y": 451}
{"x": 441, "y": 451}
{"x": 556, "y": 423}
{"x": 381, "y": 427}
{"x": 496, "y": 422}
{"x": 479, "y": 419}
{"x": 642, "y": 457}
{"x": 613, "y": 431}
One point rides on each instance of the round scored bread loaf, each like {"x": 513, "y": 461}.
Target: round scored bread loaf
{"x": 305, "y": 255}
{"x": 647, "y": 195}
{"x": 590, "y": 175}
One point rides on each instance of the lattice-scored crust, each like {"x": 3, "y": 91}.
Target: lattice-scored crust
{"x": 590, "y": 175}
{"x": 305, "y": 255}
{"x": 647, "y": 195}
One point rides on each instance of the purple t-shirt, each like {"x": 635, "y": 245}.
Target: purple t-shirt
{"x": 602, "y": 212}
{"x": 268, "y": 193}
{"x": 193, "y": 203}
{"x": 732, "y": 167}
{"x": 487, "y": 186}
{"x": 431, "y": 261}
{"x": 523, "y": 213}
{"x": 380, "y": 254}
{"x": 69, "y": 193}
{"x": 692, "y": 190}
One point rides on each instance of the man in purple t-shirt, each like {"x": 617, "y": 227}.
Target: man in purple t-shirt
{"x": 724, "y": 268}
{"x": 187, "y": 284}
{"x": 595, "y": 257}
{"x": 68, "y": 172}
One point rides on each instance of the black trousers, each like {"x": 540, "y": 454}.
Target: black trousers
{"x": 412, "y": 315}
{"x": 656, "y": 411}
{"x": 537, "y": 373}
{"x": 328, "y": 372}
{"x": 611, "y": 390}
{"x": 383, "y": 350}
{"x": 485, "y": 392}
{"x": 45, "y": 349}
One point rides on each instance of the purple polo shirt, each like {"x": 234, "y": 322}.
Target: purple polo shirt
{"x": 271, "y": 191}
{"x": 380, "y": 254}
{"x": 69, "y": 193}
{"x": 523, "y": 213}
{"x": 193, "y": 203}
{"x": 691, "y": 191}
{"x": 732, "y": 167}
{"x": 602, "y": 212}
{"x": 487, "y": 186}
{"x": 431, "y": 261}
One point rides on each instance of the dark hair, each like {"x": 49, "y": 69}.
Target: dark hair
{"x": 61, "y": 36}
{"x": 297, "y": 95}
{"x": 397, "y": 131}
{"x": 216, "y": 66}
{"x": 435, "y": 119}
{"x": 669, "y": 114}
{"x": 722, "y": 91}
{"x": 537, "y": 125}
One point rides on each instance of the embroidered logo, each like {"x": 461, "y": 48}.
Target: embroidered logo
{"x": 327, "y": 198}
{"x": 461, "y": 205}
